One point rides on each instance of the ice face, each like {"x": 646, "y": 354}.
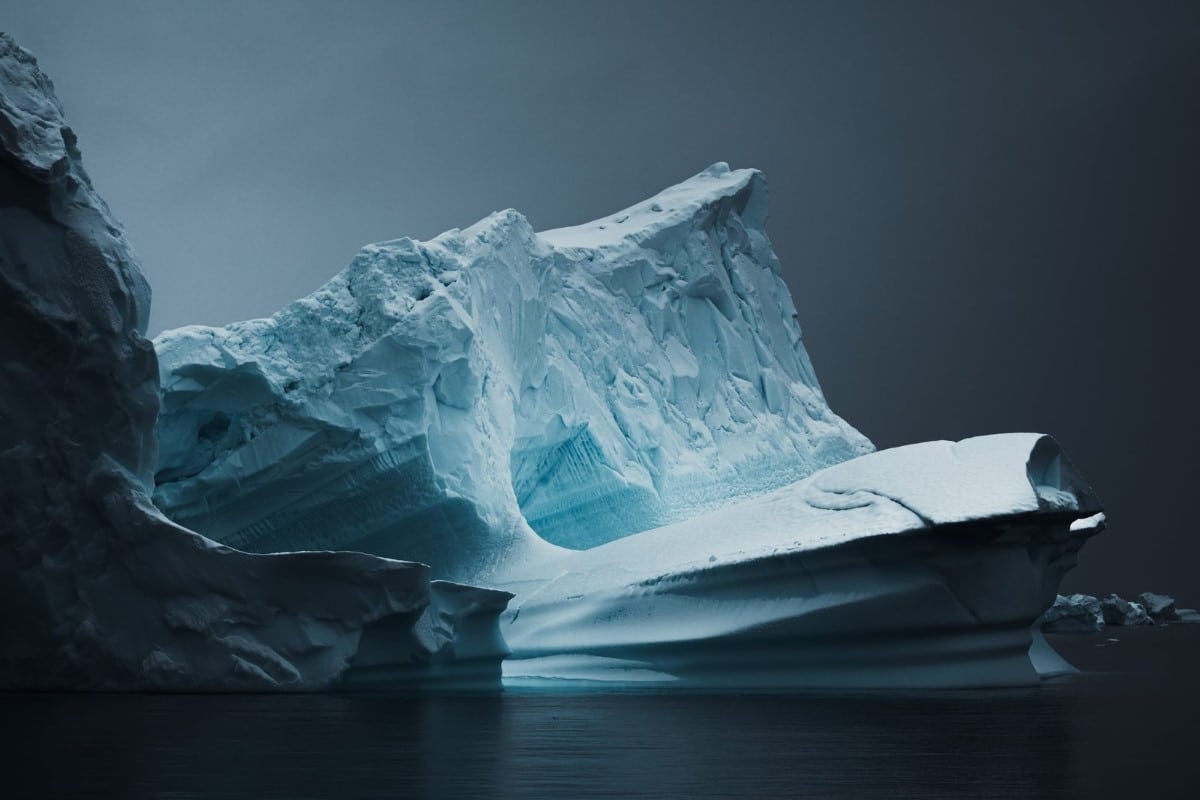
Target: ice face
{"x": 443, "y": 401}
{"x": 97, "y": 589}
{"x": 923, "y": 565}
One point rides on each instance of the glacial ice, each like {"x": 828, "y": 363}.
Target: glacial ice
{"x": 98, "y": 590}
{"x": 1083, "y": 613}
{"x": 465, "y": 401}
{"x": 917, "y": 566}
{"x": 1076, "y": 613}
{"x": 1158, "y": 606}
{"x": 1119, "y": 611}
{"x": 616, "y": 424}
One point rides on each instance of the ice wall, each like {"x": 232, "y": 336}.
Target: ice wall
{"x": 438, "y": 400}
{"x": 97, "y": 589}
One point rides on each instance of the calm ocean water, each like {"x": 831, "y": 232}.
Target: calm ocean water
{"x": 1127, "y": 728}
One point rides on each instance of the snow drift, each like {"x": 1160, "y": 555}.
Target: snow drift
{"x": 922, "y": 565}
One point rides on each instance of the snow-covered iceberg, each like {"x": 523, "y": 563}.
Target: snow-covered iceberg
{"x": 922, "y": 565}
{"x": 618, "y": 423}
{"x": 615, "y": 424}
{"x": 465, "y": 401}
{"x": 1075, "y": 613}
{"x": 98, "y": 590}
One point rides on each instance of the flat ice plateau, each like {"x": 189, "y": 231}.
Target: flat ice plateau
{"x": 615, "y": 428}
{"x": 917, "y": 566}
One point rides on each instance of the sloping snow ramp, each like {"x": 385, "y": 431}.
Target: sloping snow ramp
{"x": 923, "y": 565}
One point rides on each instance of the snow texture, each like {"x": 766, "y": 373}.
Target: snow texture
{"x": 924, "y": 565}
{"x": 98, "y": 590}
{"x": 443, "y": 401}
{"x": 616, "y": 422}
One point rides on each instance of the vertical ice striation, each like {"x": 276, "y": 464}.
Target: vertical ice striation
{"x": 444, "y": 400}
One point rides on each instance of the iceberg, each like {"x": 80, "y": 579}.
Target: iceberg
{"x": 615, "y": 426}
{"x": 492, "y": 393}
{"x": 619, "y": 424}
{"x": 1076, "y": 613}
{"x": 99, "y": 590}
{"x": 1119, "y": 611}
{"x": 1160, "y": 607}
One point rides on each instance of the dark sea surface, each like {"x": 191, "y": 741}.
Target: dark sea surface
{"x": 1127, "y": 727}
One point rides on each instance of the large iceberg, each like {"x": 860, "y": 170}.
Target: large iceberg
{"x": 98, "y": 590}
{"x": 465, "y": 401}
{"x": 617, "y": 425}
{"x": 917, "y": 566}
{"x": 618, "y": 422}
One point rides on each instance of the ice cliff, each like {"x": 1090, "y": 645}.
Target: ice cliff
{"x": 445, "y": 400}
{"x": 98, "y": 590}
{"x": 616, "y": 424}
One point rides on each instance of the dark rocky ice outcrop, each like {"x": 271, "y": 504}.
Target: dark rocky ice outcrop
{"x": 98, "y": 590}
{"x": 1119, "y": 611}
{"x": 1076, "y": 613}
{"x": 1160, "y": 607}
{"x": 465, "y": 401}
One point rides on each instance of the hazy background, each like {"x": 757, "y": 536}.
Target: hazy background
{"x": 987, "y": 212}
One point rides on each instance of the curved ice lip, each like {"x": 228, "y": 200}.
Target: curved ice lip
{"x": 893, "y": 491}
{"x": 922, "y": 560}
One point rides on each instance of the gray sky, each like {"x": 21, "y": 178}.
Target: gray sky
{"x": 987, "y": 212}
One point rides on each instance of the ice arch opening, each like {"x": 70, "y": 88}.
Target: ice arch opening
{"x": 572, "y": 496}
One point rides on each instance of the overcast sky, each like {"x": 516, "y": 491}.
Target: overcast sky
{"x": 987, "y": 212}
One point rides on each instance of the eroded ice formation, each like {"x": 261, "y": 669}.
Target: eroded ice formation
{"x": 442, "y": 401}
{"x": 98, "y": 590}
{"x": 618, "y": 423}
{"x": 1075, "y": 613}
{"x": 923, "y": 565}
